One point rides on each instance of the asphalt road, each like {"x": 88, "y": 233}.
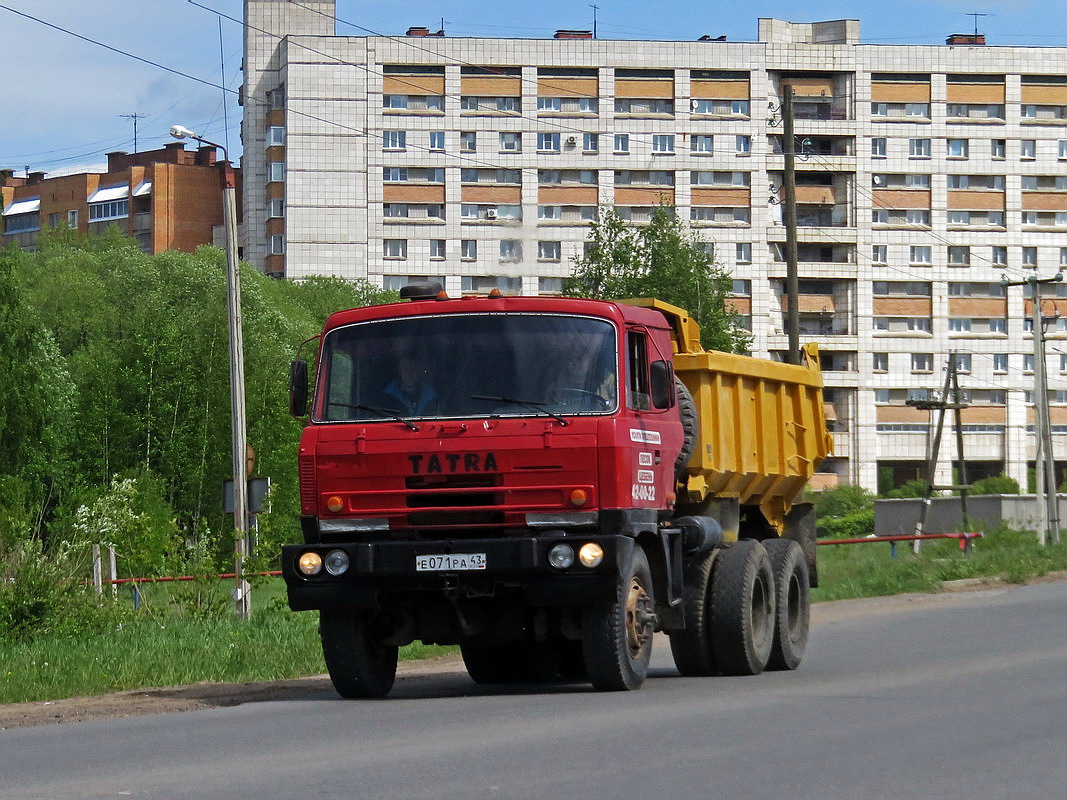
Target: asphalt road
{"x": 955, "y": 696}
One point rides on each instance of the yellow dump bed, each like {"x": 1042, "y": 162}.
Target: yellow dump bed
{"x": 762, "y": 425}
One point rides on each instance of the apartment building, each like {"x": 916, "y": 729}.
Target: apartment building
{"x": 167, "y": 199}
{"x": 925, "y": 174}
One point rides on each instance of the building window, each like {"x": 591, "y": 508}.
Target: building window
{"x": 53, "y": 220}
{"x": 549, "y": 104}
{"x": 468, "y": 141}
{"x": 959, "y": 325}
{"x": 957, "y": 148}
{"x": 879, "y": 254}
{"x": 469, "y": 249}
{"x": 1029, "y": 256}
{"x": 998, "y": 256}
{"x": 959, "y": 256}
{"x": 394, "y": 210}
{"x": 702, "y": 144}
{"x": 917, "y": 217}
{"x": 395, "y": 101}
{"x": 437, "y": 249}
{"x": 275, "y": 172}
{"x": 394, "y": 174}
{"x": 395, "y": 248}
{"x": 742, "y": 144}
{"x": 115, "y": 209}
{"x": 998, "y": 148}
{"x": 72, "y": 218}
{"x": 277, "y": 244}
{"x": 622, "y": 143}
{"x": 275, "y": 208}
{"x": 663, "y": 144}
{"x": 1062, "y": 149}
{"x": 878, "y": 147}
{"x": 275, "y": 135}
{"x": 922, "y": 362}
{"x": 881, "y": 396}
{"x": 919, "y": 148}
{"x": 435, "y": 174}
{"x": 549, "y": 285}
{"x": 590, "y": 143}
{"x": 921, "y": 254}
{"x": 394, "y": 140}
{"x": 511, "y": 141}
{"x": 548, "y": 142}
{"x": 880, "y": 362}
{"x": 437, "y": 140}
{"x": 1000, "y": 362}
{"x": 550, "y": 212}
{"x": 1063, "y": 256}
{"x": 743, "y": 253}
{"x": 963, "y": 362}
{"x": 1027, "y": 149}
{"x": 511, "y": 249}
{"x": 548, "y": 251}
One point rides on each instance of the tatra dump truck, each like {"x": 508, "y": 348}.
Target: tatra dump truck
{"x": 546, "y": 482}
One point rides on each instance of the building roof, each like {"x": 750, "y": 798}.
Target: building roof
{"x": 107, "y": 193}
{"x": 27, "y": 206}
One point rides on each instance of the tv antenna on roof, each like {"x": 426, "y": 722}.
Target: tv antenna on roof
{"x": 595, "y": 9}
{"x": 135, "y": 116}
{"x": 976, "y": 15}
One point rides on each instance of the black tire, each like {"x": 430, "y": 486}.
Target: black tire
{"x": 742, "y": 608}
{"x": 487, "y": 664}
{"x": 360, "y": 665}
{"x": 687, "y": 412}
{"x": 692, "y": 647}
{"x": 617, "y": 638}
{"x": 793, "y": 603}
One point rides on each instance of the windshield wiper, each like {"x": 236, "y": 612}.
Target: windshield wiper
{"x": 532, "y": 405}
{"x": 380, "y": 411}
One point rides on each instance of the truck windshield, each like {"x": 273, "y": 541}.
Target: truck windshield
{"x": 468, "y": 365}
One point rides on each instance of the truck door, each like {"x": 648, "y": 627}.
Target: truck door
{"x": 654, "y": 441}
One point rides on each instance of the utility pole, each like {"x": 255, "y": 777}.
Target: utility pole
{"x": 1048, "y": 516}
{"x": 789, "y": 217}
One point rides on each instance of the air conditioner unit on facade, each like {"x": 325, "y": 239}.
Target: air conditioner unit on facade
{"x": 490, "y": 213}
{"x": 572, "y": 140}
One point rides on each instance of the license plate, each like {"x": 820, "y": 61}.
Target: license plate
{"x": 450, "y": 562}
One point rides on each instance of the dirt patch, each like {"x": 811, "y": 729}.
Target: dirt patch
{"x": 221, "y": 695}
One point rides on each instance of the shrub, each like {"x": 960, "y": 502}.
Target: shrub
{"x": 842, "y": 501}
{"x": 851, "y": 526}
{"x": 913, "y": 488}
{"x": 996, "y": 484}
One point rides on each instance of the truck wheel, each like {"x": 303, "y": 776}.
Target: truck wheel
{"x": 359, "y": 664}
{"x": 793, "y": 599}
{"x": 687, "y": 412}
{"x": 617, "y": 638}
{"x": 692, "y": 647}
{"x": 487, "y": 664}
{"x": 742, "y": 608}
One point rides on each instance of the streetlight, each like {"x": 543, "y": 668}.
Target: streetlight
{"x": 237, "y": 370}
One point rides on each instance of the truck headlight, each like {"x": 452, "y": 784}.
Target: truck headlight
{"x": 561, "y": 556}
{"x": 591, "y": 554}
{"x": 310, "y": 563}
{"x": 336, "y": 562}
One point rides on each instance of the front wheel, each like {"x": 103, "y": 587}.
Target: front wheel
{"x": 359, "y": 663}
{"x": 617, "y": 638}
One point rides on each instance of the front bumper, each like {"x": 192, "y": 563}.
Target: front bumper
{"x": 378, "y": 568}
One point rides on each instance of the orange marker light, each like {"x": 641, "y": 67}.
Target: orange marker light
{"x": 334, "y": 503}
{"x": 579, "y": 497}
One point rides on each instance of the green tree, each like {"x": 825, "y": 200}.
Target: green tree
{"x": 662, "y": 259}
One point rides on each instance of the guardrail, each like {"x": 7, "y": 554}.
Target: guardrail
{"x": 965, "y": 538}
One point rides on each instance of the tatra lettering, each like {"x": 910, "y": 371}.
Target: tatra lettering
{"x": 452, "y": 462}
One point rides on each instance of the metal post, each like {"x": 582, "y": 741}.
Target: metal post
{"x": 789, "y": 217}
{"x": 961, "y": 479}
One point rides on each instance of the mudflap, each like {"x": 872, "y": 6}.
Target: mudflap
{"x": 800, "y": 526}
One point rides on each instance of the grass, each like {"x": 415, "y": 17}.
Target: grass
{"x": 183, "y": 635}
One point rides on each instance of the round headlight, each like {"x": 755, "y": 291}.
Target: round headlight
{"x": 561, "y": 556}
{"x": 591, "y": 554}
{"x": 337, "y": 562}
{"x": 310, "y": 563}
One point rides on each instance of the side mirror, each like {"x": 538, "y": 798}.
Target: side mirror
{"x": 298, "y": 388}
{"x": 661, "y": 378}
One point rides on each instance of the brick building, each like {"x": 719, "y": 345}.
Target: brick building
{"x": 167, "y": 199}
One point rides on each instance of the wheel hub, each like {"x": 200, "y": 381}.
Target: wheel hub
{"x": 640, "y": 617}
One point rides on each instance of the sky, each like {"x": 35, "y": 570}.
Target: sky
{"x": 69, "y": 101}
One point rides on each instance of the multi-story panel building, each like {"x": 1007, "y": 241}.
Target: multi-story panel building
{"x": 925, "y": 174}
{"x": 167, "y": 199}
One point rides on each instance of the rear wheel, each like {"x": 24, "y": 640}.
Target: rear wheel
{"x": 742, "y": 608}
{"x": 793, "y": 603}
{"x": 692, "y": 647}
{"x": 617, "y": 638}
{"x": 359, "y": 663}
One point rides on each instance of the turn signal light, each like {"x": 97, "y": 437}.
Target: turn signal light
{"x": 579, "y": 497}
{"x": 334, "y": 503}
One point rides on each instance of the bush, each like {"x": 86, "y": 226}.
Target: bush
{"x": 842, "y": 501}
{"x": 851, "y": 526}
{"x": 997, "y": 484}
{"x": 44, "y": 594}
{"x": 913, "y": 488}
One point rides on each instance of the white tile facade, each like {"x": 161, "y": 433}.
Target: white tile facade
{"x": 908, "y": 300}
